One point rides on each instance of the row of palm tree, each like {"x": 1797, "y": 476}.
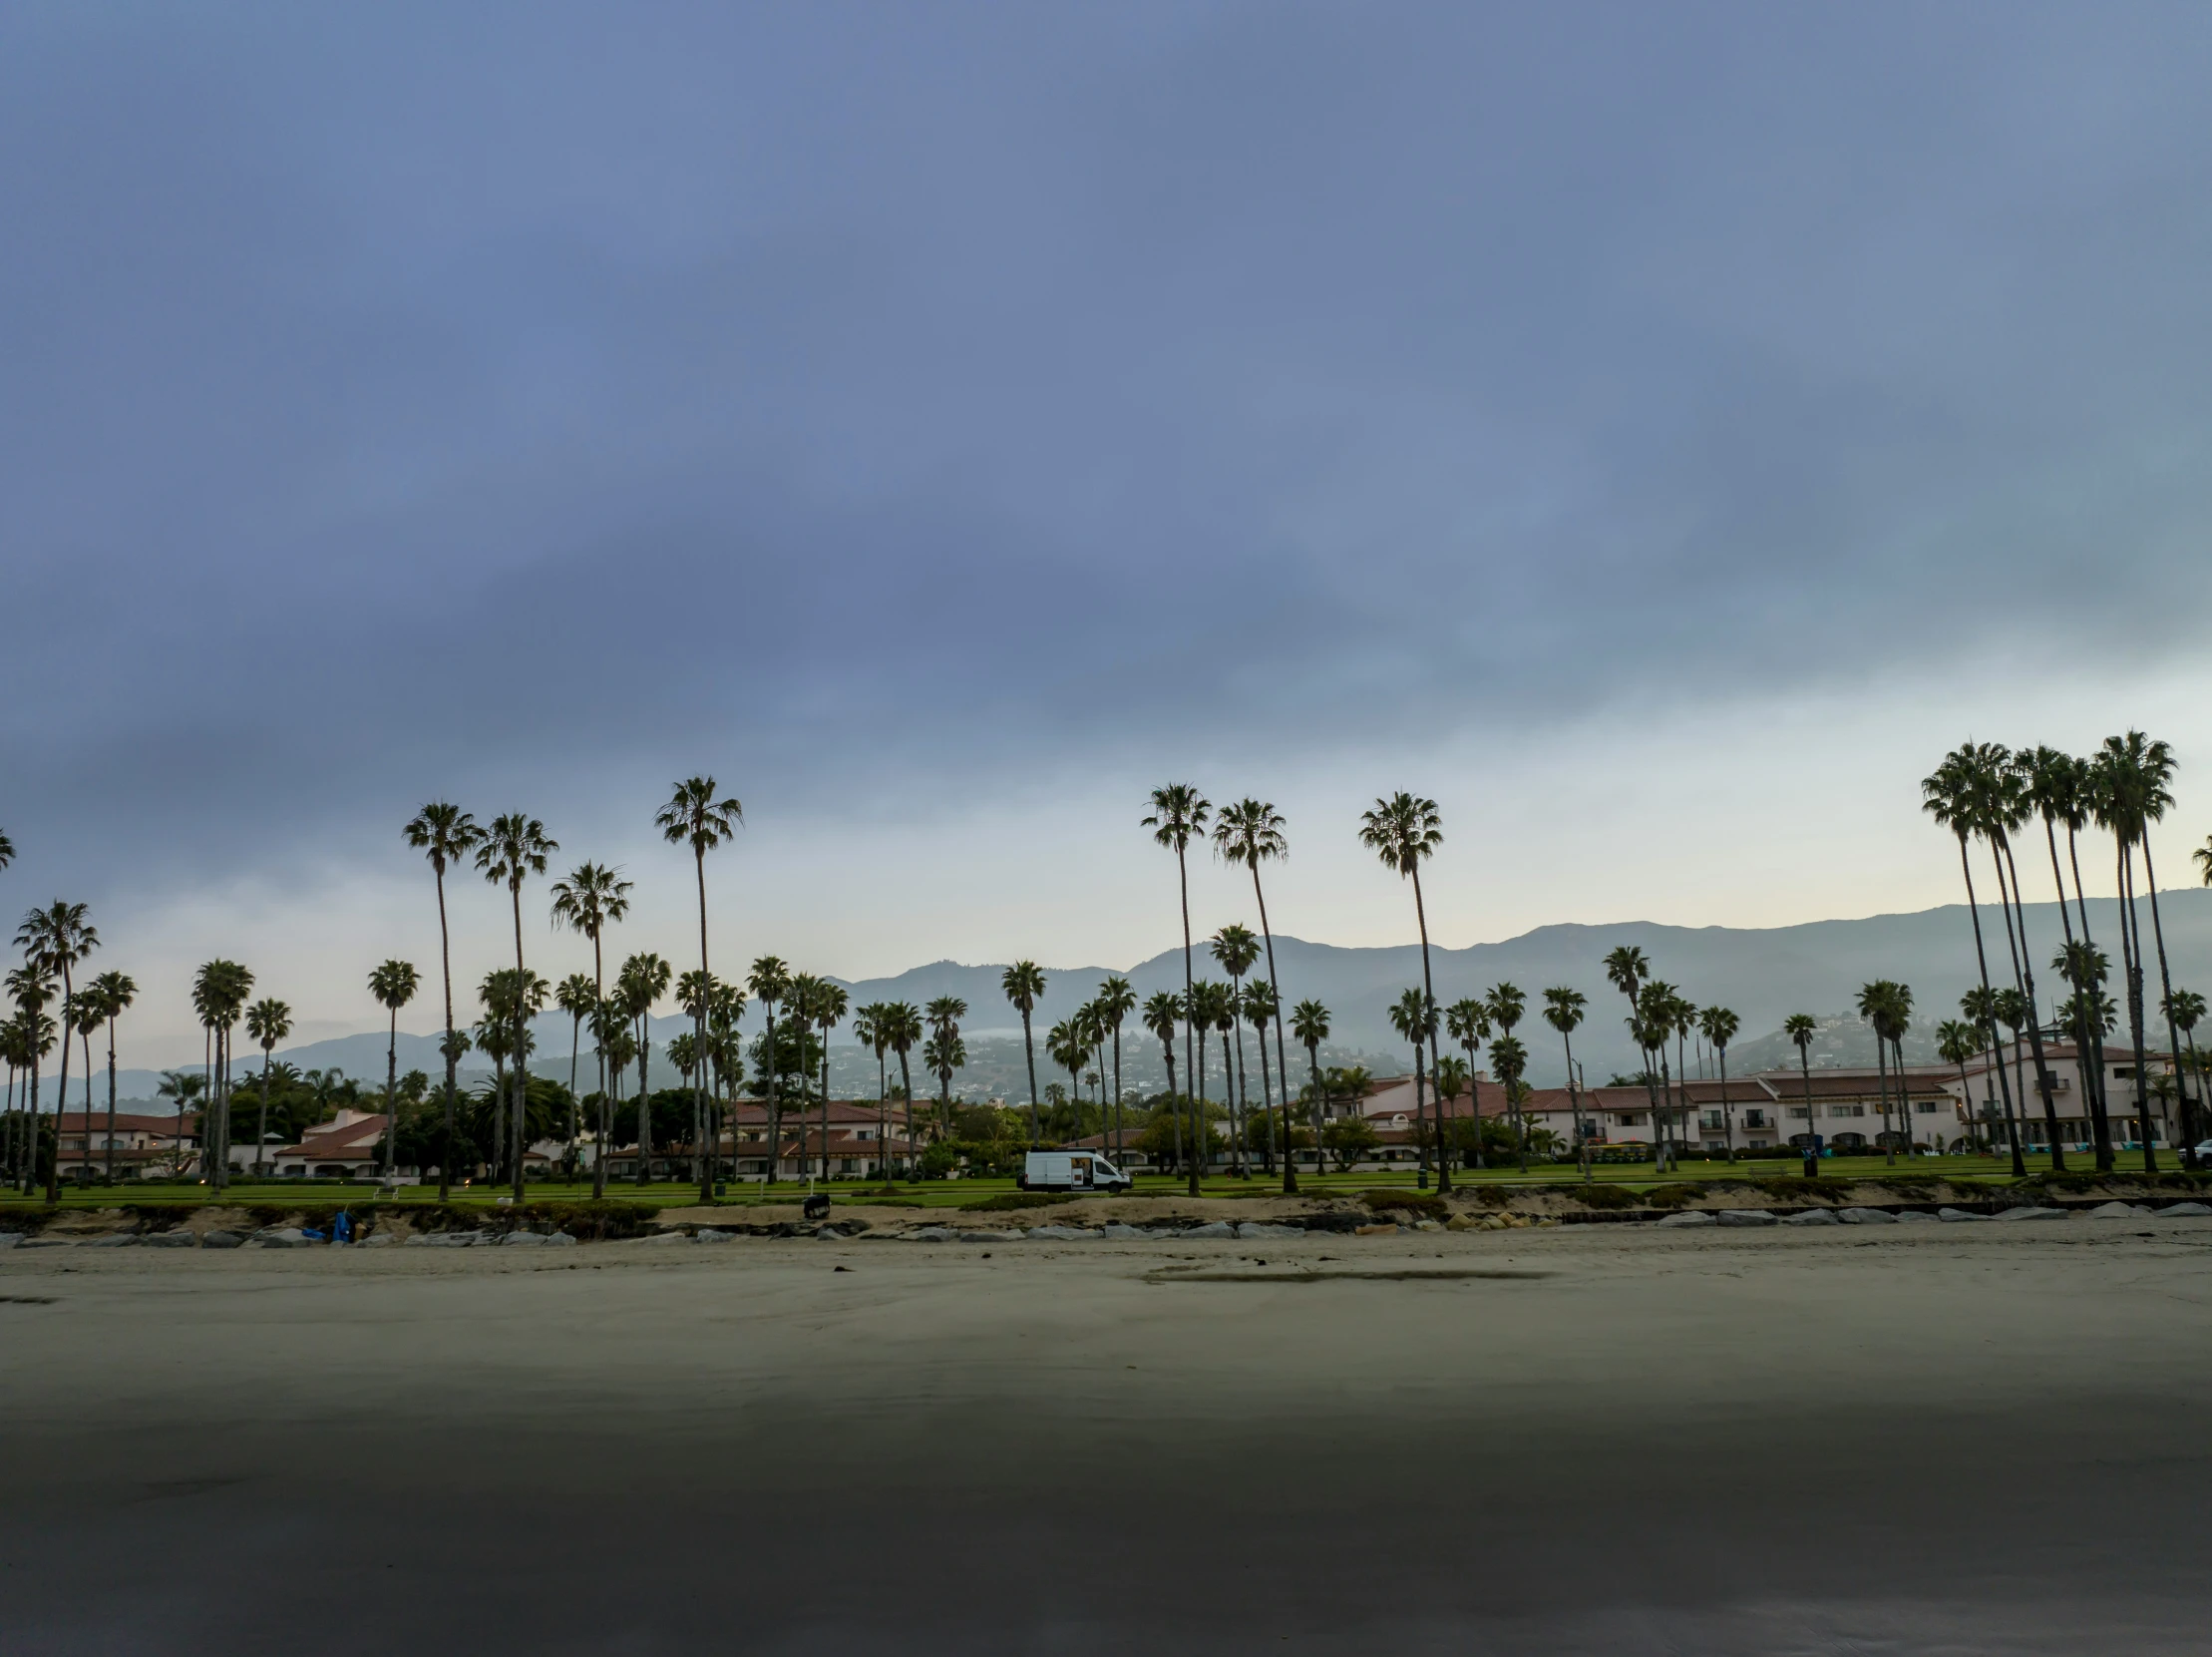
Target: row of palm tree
{"x": 1983, "y": 791}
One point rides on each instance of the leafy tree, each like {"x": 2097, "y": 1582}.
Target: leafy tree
{"x": 108, "y": 997}
{"x": 900, "y": 1025}
{"x": 1310, "y": 1024}
{"x": 638, "y": 986}
{"x": 1413, "y": 1016}
{"x": 1111, "y": 1005}
{"x": 1348, "y": 1140}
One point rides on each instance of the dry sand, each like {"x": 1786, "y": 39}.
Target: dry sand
{"x": 1956, "y": 1438}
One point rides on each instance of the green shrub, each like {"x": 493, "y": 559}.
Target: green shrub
{"x": 1006, "y": 1200}
{"x": 1670, "y": 1196}
{"x": 1604, "y": 1197}
{"x": 1423, "y": 1204}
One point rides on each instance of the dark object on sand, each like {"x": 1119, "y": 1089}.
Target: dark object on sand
{"x": 816, "y": 1207}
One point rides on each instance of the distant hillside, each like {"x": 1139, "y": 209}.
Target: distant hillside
{"x": 1763, "y": 973}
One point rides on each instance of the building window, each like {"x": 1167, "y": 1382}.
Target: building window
{"x": 1847, "y": 1110}
{"x": 1924, "y": 1108}
{"x": 1712, "y": 1119}
{"x": 1802, "y": 1111}
{"x": 1754, "y": 1118}
{"x": 1632, "y": 1119}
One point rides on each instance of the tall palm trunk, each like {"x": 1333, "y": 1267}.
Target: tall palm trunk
{"x": 391, "y": 1091}
{"x": 2044, "y": 1082}
{"x": 2131, "y": 940}
{"x": 1282, "y": 1064}
{"x": 1198, "y": 1104}
{"x": 606, "y": 1125}
{"x": 1420, "y": 1120}
{"x": 1117, "y": 1094}
{"x": 775, "y": 1096}
{"x": 1240, "y": 1109}
{"x": 1882, "y": 1081}
{"x": 2100, "y": 1114}
{"x": 1727, "y": 1105}
{"x": 84, "y": 1040}
{"x": 645, "y": 1098}
{"x": 824, "y": 1104}
{"x": 1266, "y": 1106}
{"x": 906, "y": 1084}
{"x": 2187, "y": 1143}
{"x": 2081, "y": 1000}
{"x": 61, "y": 1098}
{"x": 1981, "y": 963}
{"x": 453, "y": 1058}
{"x": 1029, "y": 1053}
{"x": 262, "y": 1119}
{"x": 1428, "y": 988}
{"x": 1190, "y": 1019}
{"x": 106, "y": 1160}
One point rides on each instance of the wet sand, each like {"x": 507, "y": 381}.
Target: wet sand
{"x": 1960, "y": 1440}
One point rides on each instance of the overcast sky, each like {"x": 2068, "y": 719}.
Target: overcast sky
{"x": 1655, "y": 432}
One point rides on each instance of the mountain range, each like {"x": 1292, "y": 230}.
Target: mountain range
{"x": 1765, "y": 974}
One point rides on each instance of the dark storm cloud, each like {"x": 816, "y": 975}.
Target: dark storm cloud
{"x": 392, "y": 396}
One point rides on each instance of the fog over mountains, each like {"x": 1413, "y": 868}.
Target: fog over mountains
{"x": 1763, "y": 973}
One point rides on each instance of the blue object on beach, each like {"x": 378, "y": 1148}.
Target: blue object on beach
{"x": 307, "y": 1234}
{"x": 342, "y": 1230}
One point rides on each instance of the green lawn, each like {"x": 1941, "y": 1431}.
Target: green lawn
{"x": 954, "y": 1193}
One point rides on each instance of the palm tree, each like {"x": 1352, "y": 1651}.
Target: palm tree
{"x": 515, "y": 847}
{"x": 394, "y": 984}
{"x": 900, "y": 1026}
{"x": 1023, "y": 983}
{"x": 1955, "y": 1043}
{"x": 1879, "y": 1006}
{"x": 1260, "y": 1010}
{"x": 1987, "y": 1008}
{"x": 1720, "y": 1026}
{"x": 2127, "y": 793}
{"x": 593, "y": 896}
{"x": 1220, "y": 1004}
{"x": 1504, "y": 1005}
{"x": 1198, "y": 1017}
{"x": 1179, "y": 814}
{"x": 616, "y": 1046}
{"x": 1626, "y": 970}
{"x": 1413, "y": 1016}
{"x": 944, "y": 1014}
{"x": 1251, "y": 833}
{"x": 7, "y": 851}
{"x": 85, "y": 1021}
{"x": 112, "y": 994}
{"x": 640, "y": 983}
{"x": 1467, "y": 1021}
{"x": 695, "y": 992}
{"x": 1114, "y": 1002}
{"x": 54, "y": 941}
{"x": 268, "y": 1022}
{"x": 444, "y": 834}
{"x": 575, "y": 996}
{"x": 525, "y": 998}
{"x": 2155, "y": 766}
{"x": 1800, "y": 1027}
{"x": 181, "y": 1089}
{"x": 829, "y": 1012}
{"x": 1657, "y": 1011}
{"x": 1511, "y": 1060}
{"x": 1952, "y": 795}
{"x": 770, "y": 981}
{"x": 1562, "y": 1011}
{"x": 2057, "y": 785}
{"x": 2001, "y": 807}
{"x": 1068, "y": 1045}
{"x": 694, "y": 817}
{"x": 2184, "y": 1010}
{"x": 1405, "y": 832}
{"x": 1238, "y": 951}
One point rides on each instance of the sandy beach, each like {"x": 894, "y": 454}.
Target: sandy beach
{"x": 1957, "y": 1439}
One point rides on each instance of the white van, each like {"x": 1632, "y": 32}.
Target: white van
{"x": 1071, "y": 1171}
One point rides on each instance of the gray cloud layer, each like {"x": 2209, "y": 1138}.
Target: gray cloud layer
{"x": 525, "y": 393}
